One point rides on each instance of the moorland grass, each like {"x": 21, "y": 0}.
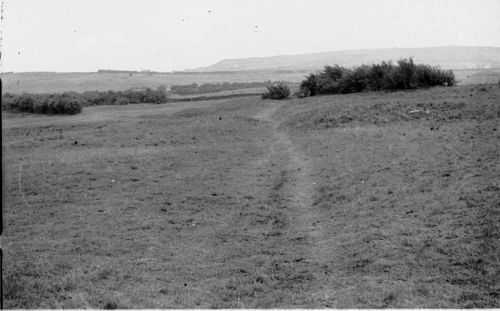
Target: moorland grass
{"x": 343, "y": 201}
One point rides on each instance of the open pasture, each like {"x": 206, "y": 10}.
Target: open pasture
{"x": 372, "y": 200}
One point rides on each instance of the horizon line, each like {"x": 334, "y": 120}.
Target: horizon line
{"x": 191, "y": 70}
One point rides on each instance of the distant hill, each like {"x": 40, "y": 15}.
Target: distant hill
{"x": 448, "y": 57}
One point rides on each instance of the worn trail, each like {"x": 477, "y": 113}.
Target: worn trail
{"x": 294, "y": 187}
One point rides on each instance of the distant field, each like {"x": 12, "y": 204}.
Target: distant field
{"x": 247, "y": 91}
{"x": 251, "y": 91}
{"x": 477, "y": 76}
{"x": 79, "y": 82}
{"x": 368, "y": 200}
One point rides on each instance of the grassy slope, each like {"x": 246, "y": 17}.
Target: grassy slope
{"x": 334, "y": 201}
{"x": 410, "y": 202}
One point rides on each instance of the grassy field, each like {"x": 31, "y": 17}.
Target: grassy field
{"x": 373, "y": 200}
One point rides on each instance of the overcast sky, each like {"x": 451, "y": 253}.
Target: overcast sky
{"x": 165, "y": 35}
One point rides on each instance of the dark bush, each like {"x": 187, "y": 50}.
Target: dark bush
{"x": 384, "y": 76}
{"x": 276, "y": 90}
{"x": 65, "y": 104}
{"x": 71, "y": 106}
{"x": 25, "y": 103}
{"x": 41, "y": 105}
{"x": 354, "y": 80}
{"x": 8, "y": 101}
{"x": 405, "y": 74}
{"x": 121, "y": 101}
{"x": 326, "y": 85}
{"x": 72, "y": 102}
{"x": 310, "y": 87}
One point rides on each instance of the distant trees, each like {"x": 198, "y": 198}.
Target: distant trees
{"x": 384, "y": 76}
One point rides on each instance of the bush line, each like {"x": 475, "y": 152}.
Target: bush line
{"x": 73, "y": 102}
{"x": 384, "y": 76}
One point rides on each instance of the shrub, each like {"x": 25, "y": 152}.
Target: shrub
{"x": 25, "y": 103}
{"x": 309, "y": 86}
{"x": 8, "y": 101}
{"x": 121, "y": 101}
{"x": 327, "y": 85}
{"x": 405, "y": 74}
{"x": 384, "y": 76}
{"x": 65, "y": 105}
{"x": 72, "y": 102}
{"x": 354, "y": 80}
{"x": 277, "y": 90}
{"x": 71, "y": 106}
{"x": 41, "y": 105}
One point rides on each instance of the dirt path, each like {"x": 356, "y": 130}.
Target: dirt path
{"x": 277, "y": 258}
{"x": 294, "y": 186}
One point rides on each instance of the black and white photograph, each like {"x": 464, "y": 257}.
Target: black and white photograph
{"x": 250, "y": 154}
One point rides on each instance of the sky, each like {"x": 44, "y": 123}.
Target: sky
{"x": 169, "y": 35}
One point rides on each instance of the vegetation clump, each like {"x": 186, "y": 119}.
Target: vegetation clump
{"x": 276, "y": 90}
{"x": 66, "y": 103}
{"x": 384, "y": 76}
{"x": 73, "y": 102}
{"x": 130, "y": 96}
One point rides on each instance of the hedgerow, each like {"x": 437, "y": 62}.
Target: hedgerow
{"x": 72, "y": 102}
{"x": 65, "y": 103}
{"x": 384, "y": 76}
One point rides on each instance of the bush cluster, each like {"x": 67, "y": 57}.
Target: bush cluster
{"x": 276, "y": 90}
{"x": 64, "y": 103}
{"x": 131, "y": 96}
{"x": 72, "y": 102}
{"x": 384, "y": 76}
{"x": 195, "y": 89}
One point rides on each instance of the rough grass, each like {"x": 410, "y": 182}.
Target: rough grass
{"x": 192, "y": 205}
{"x": 411, "y": 202}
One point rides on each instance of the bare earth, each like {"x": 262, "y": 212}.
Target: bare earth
{"x": 345, "y": 201}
